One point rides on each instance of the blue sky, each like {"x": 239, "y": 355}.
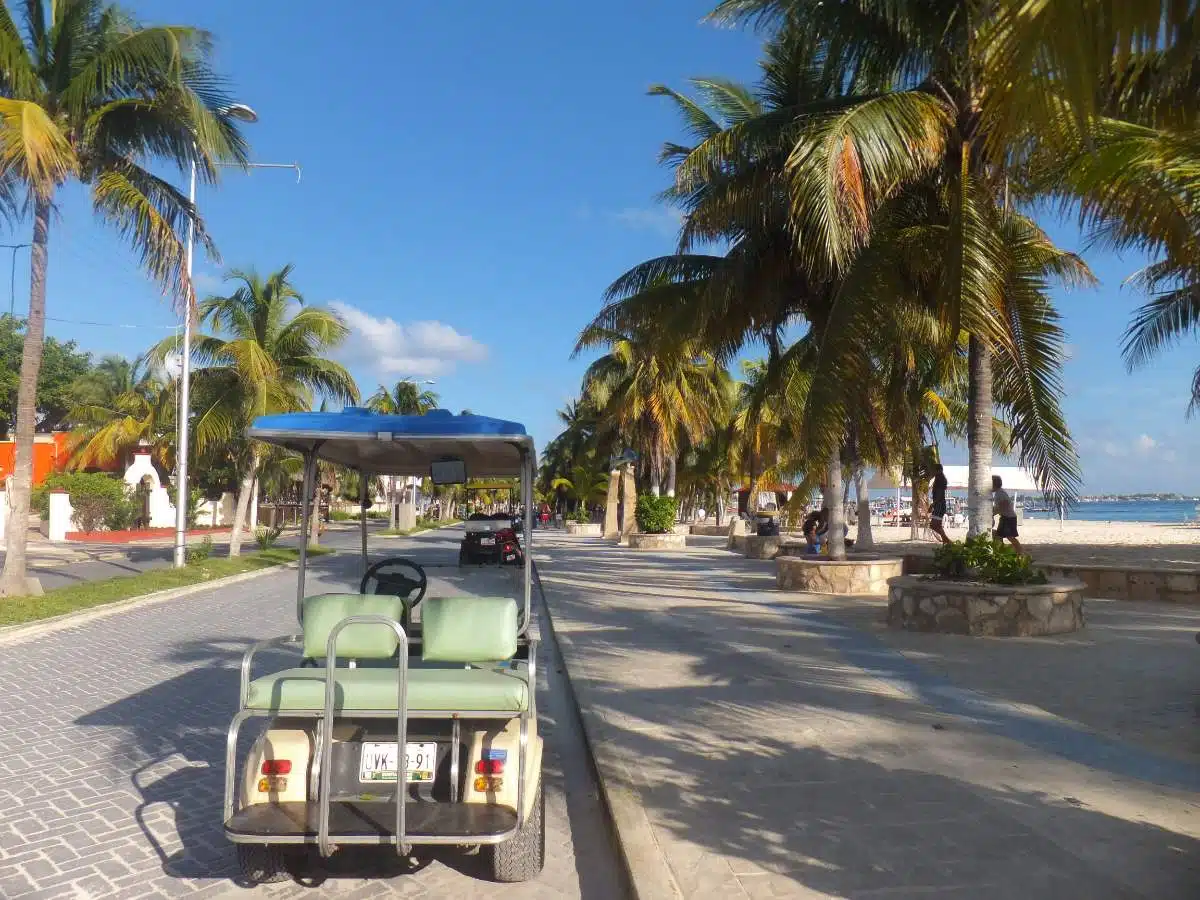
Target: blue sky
{"x": 474, "y": 175}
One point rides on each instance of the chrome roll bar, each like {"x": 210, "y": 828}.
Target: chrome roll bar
{"x": 325, "y": 781}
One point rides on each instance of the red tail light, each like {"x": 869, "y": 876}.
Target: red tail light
{"x": 489, "y": 767}
{"x": 276, "y": 766}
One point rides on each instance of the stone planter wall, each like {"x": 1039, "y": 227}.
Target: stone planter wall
{"x": 711, "y": 530}
{"x": 1109, "y": 582}
{"x": 917, "y": 603}
{"x": 589, "y": 529}
{"x": 1115, "y": 583}
{"x": 755, "y": 547}
{"x": 682, "y": 529}
{"x": 864, "y": 574}
{"x": 669, "y": 541}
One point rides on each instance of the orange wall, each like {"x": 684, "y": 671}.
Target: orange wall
{"x": 49, "y": 455}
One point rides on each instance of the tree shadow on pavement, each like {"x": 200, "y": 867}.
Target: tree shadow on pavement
{"x": 750, "y": 735}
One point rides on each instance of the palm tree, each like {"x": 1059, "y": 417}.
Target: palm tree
{"x": 585, "y": 486}
{"x": 906, "y": 116}
{"x": 266, "y": 353}
{"x": 120, "y": 407}
{"x": 89, "y": 95}
{"x": 404, "y": 399}
{"x": 653, "y": 392}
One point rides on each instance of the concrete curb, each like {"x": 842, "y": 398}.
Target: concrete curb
{"x": 648, "y": 873}
{"x": 14, "y": 634}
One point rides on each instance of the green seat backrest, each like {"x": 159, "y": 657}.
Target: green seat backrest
{"x": 323, "y": 611}
{"x": 468, "y": 629}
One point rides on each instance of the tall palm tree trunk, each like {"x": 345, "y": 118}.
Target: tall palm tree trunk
{"x": 836, "y": 535}
{"x": 865, "y": 539}
{"x": 242, "y": 510}
{"x": 979, "y": 438}
{"x": 13, "y": 581}
{"x": 914, "y": 532}
{"x": 671, "y": 466}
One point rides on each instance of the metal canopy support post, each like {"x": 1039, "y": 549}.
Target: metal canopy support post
{"x": 364, "y": 480}
{"x": 310, "y": 470}
{"x": 527, "y": 499}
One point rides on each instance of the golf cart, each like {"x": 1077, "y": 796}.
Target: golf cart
{"x": 490, "y": 538}
{"x": 411, "y": 658}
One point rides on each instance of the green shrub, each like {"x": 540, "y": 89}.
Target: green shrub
{"x": 655, "y": 515}
{"x": 984, "y": 559}
{"x": 195, "y": 498}
{"x": 341, "y": 515}
{"x": 199, "y": 552}
{"x": 267, "y": 535}
{"x": 100, "y": 501}
{"x": 374, "y": 514}
{"x": 582, "y": 516}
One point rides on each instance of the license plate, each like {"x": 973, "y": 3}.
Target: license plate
{"x": 487, "y": 542}
{"x": 378, "y": 762}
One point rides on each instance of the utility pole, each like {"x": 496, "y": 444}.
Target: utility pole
{"x": 12, "y": 279}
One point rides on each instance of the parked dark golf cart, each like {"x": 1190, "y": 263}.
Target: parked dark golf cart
{"x": 491, "y": 538}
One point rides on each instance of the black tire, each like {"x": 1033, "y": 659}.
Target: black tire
{"x": 522, "y": 856}
{"x": 262, "y": 863}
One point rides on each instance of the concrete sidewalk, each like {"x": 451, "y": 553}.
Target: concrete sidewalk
{"x": 755, "y": 744}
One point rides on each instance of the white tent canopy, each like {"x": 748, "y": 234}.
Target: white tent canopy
{"x": 1015, "y": 479}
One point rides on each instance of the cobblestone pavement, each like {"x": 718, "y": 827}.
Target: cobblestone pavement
{"x": 112, "y": 766}
{"x": 781, "y": 748}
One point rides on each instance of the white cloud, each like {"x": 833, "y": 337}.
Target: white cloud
{"x": 1145, "y": 444}
{"x": 1108, "y": 448}
{"x": 207, "y": 283}
{"x": 664, "y": 221}
{"x": 415, "y": 348}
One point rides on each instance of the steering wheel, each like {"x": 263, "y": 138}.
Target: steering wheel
{"x": 397, "y": 584}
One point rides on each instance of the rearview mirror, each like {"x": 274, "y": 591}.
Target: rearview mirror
{"x": 448, "y": 471}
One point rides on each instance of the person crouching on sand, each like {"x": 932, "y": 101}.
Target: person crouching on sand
{"x": 1002, "y": 506}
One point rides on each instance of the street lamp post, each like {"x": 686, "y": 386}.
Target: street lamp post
{"x": 245, "y": 114}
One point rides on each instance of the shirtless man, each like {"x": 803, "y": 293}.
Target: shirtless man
{"x": 1002, "y": 506}
{"x": 937, "y": 510}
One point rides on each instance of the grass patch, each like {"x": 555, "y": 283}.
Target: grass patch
{"x": 427, "y": 525}
{"x": 18, "y": 610}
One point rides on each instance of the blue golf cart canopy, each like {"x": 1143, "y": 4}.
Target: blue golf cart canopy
{"x": 402, "y": 445}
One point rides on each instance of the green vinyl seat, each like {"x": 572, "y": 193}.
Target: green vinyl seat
{"x": 429, "y": 688}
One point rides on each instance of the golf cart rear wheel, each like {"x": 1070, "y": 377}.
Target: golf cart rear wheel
{"x": 522, "y": 856}
{"x": 262, "y": 863}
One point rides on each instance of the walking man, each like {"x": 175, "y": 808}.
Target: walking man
{"x": 1002, "y": 506}
{"x": 937, "y": 509}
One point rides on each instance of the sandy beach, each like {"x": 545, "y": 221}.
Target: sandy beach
{"x": 1081, "y": 543}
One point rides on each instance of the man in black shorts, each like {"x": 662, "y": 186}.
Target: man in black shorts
{"x": 938, "y": 508}
{"x": 1003, "y": 506}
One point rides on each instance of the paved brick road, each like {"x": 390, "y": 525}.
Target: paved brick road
{"x": 112, "y": 765}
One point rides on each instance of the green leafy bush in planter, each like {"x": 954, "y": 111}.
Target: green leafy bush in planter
{"x": 655, "y": 515}
{"x": 342, "y": 515}
{"x": 981, "y": 558}
{"x": 582, "y": 516}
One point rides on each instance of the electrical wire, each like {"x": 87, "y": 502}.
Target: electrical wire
{"x": 109, "y": 324}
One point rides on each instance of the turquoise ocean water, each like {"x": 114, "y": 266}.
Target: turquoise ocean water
{"x": 1173, "y": 512}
